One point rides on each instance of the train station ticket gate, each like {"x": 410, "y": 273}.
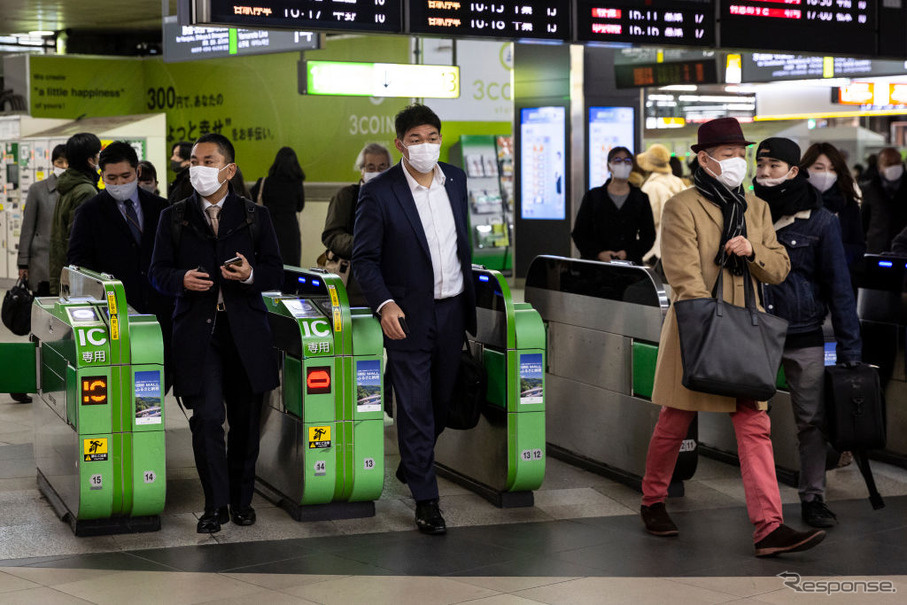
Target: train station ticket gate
{"x": 604, "y": 323}
{"x": 322, "y": 430}
{"x": 882, "y": 308}
{"x": 503, "y": 457}
{"x": 99, "y": 415}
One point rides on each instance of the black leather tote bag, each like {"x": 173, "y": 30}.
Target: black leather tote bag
{"x": 730, "y": 350}
{"x": 469, "y": 393}
{"x": 16, "y": 310}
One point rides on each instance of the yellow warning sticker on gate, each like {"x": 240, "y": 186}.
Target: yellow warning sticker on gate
{"x": 112, "y": 303}
{"x": 95, "y": 449}
{"x": 319, "y": 437}
{"x": 338, "y": 320}
{"x": 114, "y": 328}
{"x": 335, "y": 300}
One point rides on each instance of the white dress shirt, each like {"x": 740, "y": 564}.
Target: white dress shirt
{"x": 437, "y": 219}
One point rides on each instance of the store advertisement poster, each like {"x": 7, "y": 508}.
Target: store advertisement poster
{"x": 532, "y": 388}
{"x": 148, "y": 397}
{"x": 368, "y": 385}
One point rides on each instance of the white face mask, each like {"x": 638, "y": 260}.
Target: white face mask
{"x": 204, "y": 179}
{"x": 424, "y": 157}
{"x": 149, "y": 187}
{"x": 823, "y": 180}
{"x": 367, "y": 176}
{"x": 770, "y": 182}
{"x": 58, "y": 171}
{"x": 620, "y": 171}
{"x": 733, "y": 171}
{"x": 893, "y": 173}
{"x": 123, "y": 192}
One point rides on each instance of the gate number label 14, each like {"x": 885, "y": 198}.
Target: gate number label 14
{"x": 535, "y": 454}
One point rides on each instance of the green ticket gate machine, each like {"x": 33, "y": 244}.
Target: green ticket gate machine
{"x": 604, "y": 323}
{"x": 99, "y": 430}
{"x": 322, "y": 430}
{"x": 503, "y": 458}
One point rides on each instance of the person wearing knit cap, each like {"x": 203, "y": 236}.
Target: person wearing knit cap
{"x": 716, "y": 226}
{"x": 660, "y": 185}
{"x": 818, "y": 282}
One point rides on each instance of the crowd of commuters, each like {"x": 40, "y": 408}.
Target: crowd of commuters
{"x": 403, "y": 228}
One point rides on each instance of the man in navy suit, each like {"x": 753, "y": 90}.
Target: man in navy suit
{"x": 411, "y": 256}
{"x": 222, "y": 345}
{"x": 113, "y": 232}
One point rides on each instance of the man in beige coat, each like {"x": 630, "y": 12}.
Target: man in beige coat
{"x": 716, "y": 222}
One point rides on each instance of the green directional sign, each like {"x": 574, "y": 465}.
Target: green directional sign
{"x": 344, "y": 78}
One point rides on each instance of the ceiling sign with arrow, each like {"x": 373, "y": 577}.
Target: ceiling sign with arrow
{"x": 379, "y": 80}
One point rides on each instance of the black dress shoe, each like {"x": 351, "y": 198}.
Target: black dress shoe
{"x": 20, "y": 397}
{"x": 429, "y": 519}
{"x": 400, "y": 474}
{"x": 242, "y": 515}
{"x": 211, "y": 520}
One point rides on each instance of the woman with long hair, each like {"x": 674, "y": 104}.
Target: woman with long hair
{"x": 283, "y": 194}
{"x": 829, "y": 174}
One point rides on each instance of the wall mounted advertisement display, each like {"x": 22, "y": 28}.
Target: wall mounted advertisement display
{"x": 187, "y": 43}
{"x": 511, "y": 19}
{"x": 384, "y": 16}
{"x": 688, "y": 22}
{"x": 543, "y": 163}
{"x": 838, "y": 26}
{"x": 609, "y": 127}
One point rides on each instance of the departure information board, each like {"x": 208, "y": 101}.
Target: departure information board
{"x": 354, "y": 15}
{"x": 507, "y": 19}
{"x": 832, "y": 26}
{"x": 687, "y": 22}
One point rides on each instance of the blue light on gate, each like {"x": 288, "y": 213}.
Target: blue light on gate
{"x": 301, "y": 280}
{"x": 885, "y": 263}
{"x": 316, "y": 283}
{"x": 484, "y": 278}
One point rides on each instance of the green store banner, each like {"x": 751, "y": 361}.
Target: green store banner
{"x": 251, "y": 100}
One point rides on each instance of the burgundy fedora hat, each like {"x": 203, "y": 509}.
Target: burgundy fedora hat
{"x": 721, "y": 131}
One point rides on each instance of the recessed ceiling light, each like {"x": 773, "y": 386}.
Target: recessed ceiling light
{"x": 41, "y": 32}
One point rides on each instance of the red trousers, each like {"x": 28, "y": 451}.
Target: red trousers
{"x": 757, "y": 462}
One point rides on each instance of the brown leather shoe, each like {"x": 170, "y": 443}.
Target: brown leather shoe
{"x": 657, "y": 521}
{"x": 786, "y": 539}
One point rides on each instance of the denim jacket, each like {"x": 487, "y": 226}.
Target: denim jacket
{"x": 818, "y": 281}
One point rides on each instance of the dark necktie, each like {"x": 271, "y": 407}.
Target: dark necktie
{"x": 132, "y": 219}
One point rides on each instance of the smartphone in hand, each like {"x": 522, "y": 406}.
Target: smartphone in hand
{"x": 236, "y": 260}
{"x": 403, "y": 325}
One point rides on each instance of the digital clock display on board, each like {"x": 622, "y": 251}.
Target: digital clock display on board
{"x": 687, "y": 22}
{"x": 507, "y": 19}
{"x": 832, "y": 26}
{"x": 355, "y": 15}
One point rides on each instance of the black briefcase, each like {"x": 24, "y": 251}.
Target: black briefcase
{"x": 469, "y": 393}
{"x": 854, "y": 408}
{"x": 855, "y": 412}
{"x": 16, "y": 311}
